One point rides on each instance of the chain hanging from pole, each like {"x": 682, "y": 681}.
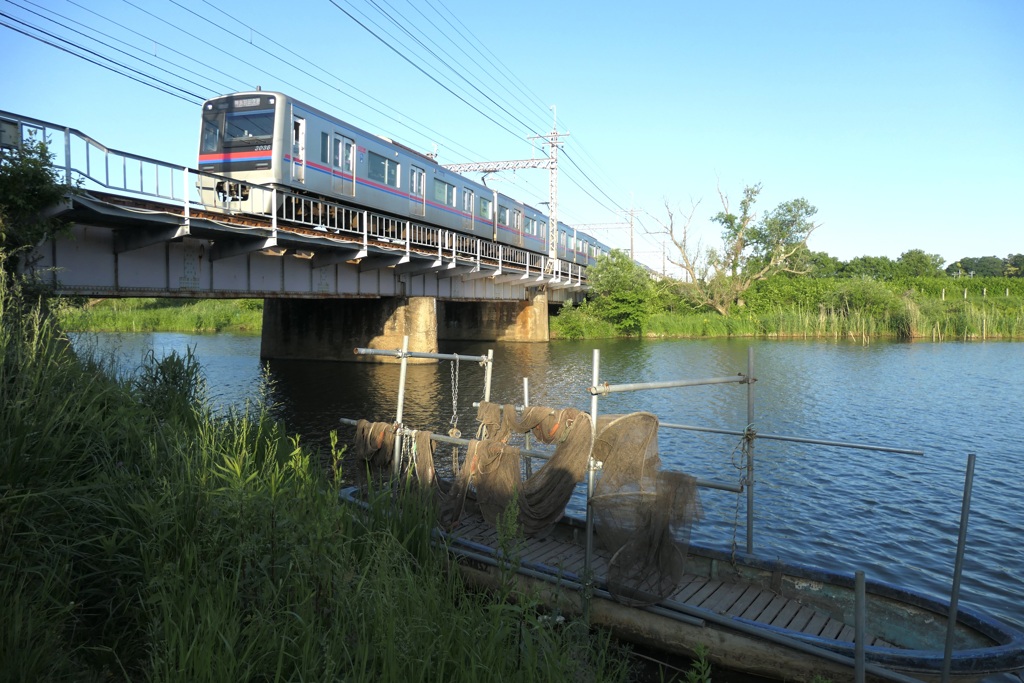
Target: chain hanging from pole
{"x": 454, "y": 430}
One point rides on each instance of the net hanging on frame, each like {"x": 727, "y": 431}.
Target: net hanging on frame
{"x": 642, "y": 514}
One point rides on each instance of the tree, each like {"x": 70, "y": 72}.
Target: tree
{"x": 29, "y": 186}
{"x": 916, "y": 263}
{"x": 621, "y": 292}
{"x": 817, "y": 264}
{"x": 1014, "y": 265}
{"x": 969, "y": 266}
{"x": 752, "y": 249}
{"x": 870, "y": 268}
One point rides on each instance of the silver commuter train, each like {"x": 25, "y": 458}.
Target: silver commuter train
{"x": 271, "y": 139}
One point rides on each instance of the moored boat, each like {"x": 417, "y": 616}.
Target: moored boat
{"x": 761, "y": 616}
{"x": 752, "y": 613}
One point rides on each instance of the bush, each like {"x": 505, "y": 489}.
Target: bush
{"x": 579, "y": 322}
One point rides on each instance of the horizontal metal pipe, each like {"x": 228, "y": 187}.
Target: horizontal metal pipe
{"x": 397, "y": 353}
{"x": 441, "y": 438}
{"x": 605, "y": 389}
{"x": 476, "y": 404}
{"x": 795, "y": 439}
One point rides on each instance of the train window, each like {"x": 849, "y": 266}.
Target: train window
{"x": 531, "y": 225}
{"x": 502, "y": 215}
{"x": 542, "y": 229}
{"x": 417, "y": 190}
{"x": 325, "y": 148}
{"x": 419, "y": 178}
{"x": 211, "y": 137}
{"x": 343, "y": 148}
{"x": 517, "y": 220}
{"x": 467, "y": 201}
{"x": 444, "y": 192}
{"x": 382, "y": 169}
{"x": 485, "y": 207}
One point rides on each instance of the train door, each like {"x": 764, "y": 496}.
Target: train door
{"x": 417, "y": 197}
{"x": 468, "y": 198}
{"x": 298, "y": 149}
{"x": 344, "y": 165}
{"x": 517, "y": 226}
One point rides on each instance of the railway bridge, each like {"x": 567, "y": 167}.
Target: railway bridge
{"x": 332, "y": 276}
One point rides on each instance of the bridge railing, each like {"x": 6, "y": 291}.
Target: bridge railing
{"x": 85, "y": 163}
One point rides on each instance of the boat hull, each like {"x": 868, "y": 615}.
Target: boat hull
{"x": 766, "y": 617}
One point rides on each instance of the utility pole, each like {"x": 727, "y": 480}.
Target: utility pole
{"x": 550, "y": 163}
{"x": 632, "y": 251}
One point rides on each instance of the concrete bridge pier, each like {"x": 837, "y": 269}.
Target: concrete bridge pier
{"x": 506, "y": 321}
{"x": 328, "y": 329}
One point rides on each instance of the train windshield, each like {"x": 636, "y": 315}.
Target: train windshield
{"x": 236, "y": 129}
{"x": 250, "y": 126}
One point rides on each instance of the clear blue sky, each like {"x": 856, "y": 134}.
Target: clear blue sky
{"x": 903, "y": 122}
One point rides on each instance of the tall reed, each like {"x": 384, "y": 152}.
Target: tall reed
{"x": 144, "y": 537}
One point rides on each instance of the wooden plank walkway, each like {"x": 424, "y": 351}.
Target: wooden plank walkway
{"x": 742, "y": 600}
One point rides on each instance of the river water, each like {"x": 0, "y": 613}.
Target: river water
{"x": 894, "y": 516}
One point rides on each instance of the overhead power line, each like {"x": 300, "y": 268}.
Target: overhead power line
{"x": 180, "y": 94}
{"x": 445, "y": 63}
{"x": 422, "y": 71}
{"x": 96, "y": 40}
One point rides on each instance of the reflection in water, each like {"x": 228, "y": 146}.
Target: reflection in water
{"x": 311, "y": 396}
{"x": 895, "y": 516}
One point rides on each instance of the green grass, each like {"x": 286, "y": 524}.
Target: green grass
{"x": 145, "y": 538}
{"x": 839, "y": 309}
{"x": 844, "y": 317}
{"x": 239, "y": 316}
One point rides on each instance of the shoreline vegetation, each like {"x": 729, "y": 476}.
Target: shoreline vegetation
{"x": 145, "y": 537}
{"x": 923, "y": 309}
{"x": 854, "y": 309}
{"x": 193, "y": 316}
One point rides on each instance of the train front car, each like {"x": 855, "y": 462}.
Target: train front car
{"x": 241, "y": 139}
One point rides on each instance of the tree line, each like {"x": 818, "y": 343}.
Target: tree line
{"x": 761, "y": 278}
{"x": 913, "y": 263}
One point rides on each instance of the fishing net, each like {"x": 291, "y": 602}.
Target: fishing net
{"x": 374, "y": 442}
{"x": 642, "y": 514}
{"x": 492, "y": 466}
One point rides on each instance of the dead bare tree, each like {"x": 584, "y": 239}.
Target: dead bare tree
{"x": 752, "y": 249}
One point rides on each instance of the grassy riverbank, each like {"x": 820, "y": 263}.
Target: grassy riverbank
{"x": 198, "y": 316}
{"x": 862, "y": 310}
{"x": 144, "y": 538}
{"x": 784, "y": 308}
